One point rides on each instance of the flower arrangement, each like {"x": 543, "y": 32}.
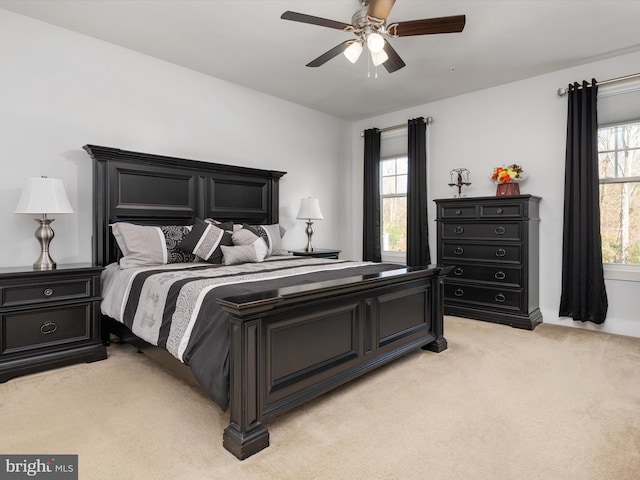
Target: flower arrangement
{"x": 508, "y": 174}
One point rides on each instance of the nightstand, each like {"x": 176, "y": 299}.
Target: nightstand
{"x": 317, "y": 253}
{"x": 49, "y": 318}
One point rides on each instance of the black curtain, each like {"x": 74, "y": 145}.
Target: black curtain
{"x": 417, "y": 226}
{"x": 584, "y": 296}
{"x": 371, "y": 250}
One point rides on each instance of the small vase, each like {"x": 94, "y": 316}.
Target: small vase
{"x": 504, "y": 189}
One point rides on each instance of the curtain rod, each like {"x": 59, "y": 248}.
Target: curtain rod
{"x": 427, "y": 120}
{"x": 564, "y": 91}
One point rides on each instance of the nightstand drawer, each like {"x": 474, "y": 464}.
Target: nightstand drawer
{"x": 45, "y": 327}
{"x": 45, "y": 292}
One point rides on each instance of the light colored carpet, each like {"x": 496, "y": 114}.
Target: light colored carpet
{"x": 500, "y": 403}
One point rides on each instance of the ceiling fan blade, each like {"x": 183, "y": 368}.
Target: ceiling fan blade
{"x": 325, "y": 57}
{"x": 323, "y": 22}
{"x": 394, "y": 62}
{"x": 380, "y": 8}
{"x": 428, "y": 26}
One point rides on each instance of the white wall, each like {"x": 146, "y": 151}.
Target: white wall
{"x": 61, "y": 90}
{"x": 525, "y": 123}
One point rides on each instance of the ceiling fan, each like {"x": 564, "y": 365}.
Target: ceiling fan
{"x": 369, "y": 25}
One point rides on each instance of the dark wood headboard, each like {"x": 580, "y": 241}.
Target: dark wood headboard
{"x": 158, "y": 190}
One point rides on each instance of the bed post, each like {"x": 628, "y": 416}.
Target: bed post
{"x": 245, "y": 435}
{"x": 437, "y": 310}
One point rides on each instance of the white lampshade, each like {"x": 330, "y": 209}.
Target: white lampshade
{"x": 378, "y": 58}
{"x": 310, "y": 209}
{"x": 375, "y": 42}
{"x": 353, "y": 52}
{"x": 43, "y": 195}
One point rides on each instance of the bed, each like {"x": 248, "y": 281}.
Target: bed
{"x": 288, "y": 340}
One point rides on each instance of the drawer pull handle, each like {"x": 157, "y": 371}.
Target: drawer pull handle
{"x": 501, "y": 252}
{"x": 48, "y": 328}
{"x": 458, "y": 212}
{"x": 500, "y": 275}
{"x": 458, "y": 250}
{"x": 500, "y": 298}
{"x": 458, "y": 292}
{"x": 458, "y": 229}
{"x": 499, "y": 211}
{"x": 500, "y": 230}
{"x": 458, "y": 271}
{"x": 47, "y": 292}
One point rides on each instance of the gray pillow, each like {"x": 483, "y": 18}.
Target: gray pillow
{"x": 144, "y": 245}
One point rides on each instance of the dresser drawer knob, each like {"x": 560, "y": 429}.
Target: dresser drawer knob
{"x": 47, "y": 292}
{"x": 458, "y": 250}
{"x": 500, "y": 298}
{"x": 500, "y": 230}
{"x": 458, "y": 229}
{"x": 458, "y": 292}
{"x": 499, "y": 211}
{"x": 501, "y": 252}
{"x": 458, "y": 212}
{"x": 47, "y": 328}
{"x": 458, "y": 271}
{"x": 500, "y": 275}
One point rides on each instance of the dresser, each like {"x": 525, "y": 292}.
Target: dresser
{"x": 492, "y": 244}
{"x": 49, "y": 318}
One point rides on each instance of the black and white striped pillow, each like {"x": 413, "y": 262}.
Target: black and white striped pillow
{"x": 205, "y": 240}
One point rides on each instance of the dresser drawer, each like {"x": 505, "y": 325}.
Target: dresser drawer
{"x": 489, "y": 231}
{"x": 453, "y": 252}
{"x": 457, "y": 211}
{"x": 45, "y": 327}
{"x": 45, "y": 291}
{"x": 482, "y": 296}
{"x": 504, "y": 209}
{"x": 481, "y": 273}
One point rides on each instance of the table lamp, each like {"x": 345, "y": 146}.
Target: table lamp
{"x": 309, "y": 210}
{"x": 42, "y": 196}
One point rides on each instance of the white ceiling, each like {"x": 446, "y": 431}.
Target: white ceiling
{"x": 246, "y": 42}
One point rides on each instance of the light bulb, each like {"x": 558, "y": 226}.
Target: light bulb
{"x": 379, "y": 58}
{"x": 375, "y": 42}
{"x": 353, "y": 52}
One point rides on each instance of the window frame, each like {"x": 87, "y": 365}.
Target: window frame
{"x": 619, "y": 271}
{"x": 388, "y": 255}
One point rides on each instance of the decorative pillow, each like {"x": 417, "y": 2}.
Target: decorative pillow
{"x": 144, "y": 245}
{"x": 247, "y": 238}
{"x": 228, "y": 226}
{"x": 205, "y": 240}
{"x": 272, "y": 235}
{"x": 242, "y": 254}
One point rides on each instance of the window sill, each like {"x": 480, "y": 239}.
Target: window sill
{"x": 628, "y": 273}
{"x": 393, "y": 257}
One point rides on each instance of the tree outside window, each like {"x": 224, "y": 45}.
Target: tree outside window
{"x": 619, "y": 170}
{"x": 393, "y": 198}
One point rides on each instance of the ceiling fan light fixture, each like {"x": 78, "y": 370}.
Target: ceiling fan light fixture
{"x": 375, "y": 42}
{"x": 378, "y": 58}
{"x": 353, "y": 52}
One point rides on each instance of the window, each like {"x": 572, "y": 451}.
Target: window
{"x": 393, "y": 205}
{"x": 619, "y": 171}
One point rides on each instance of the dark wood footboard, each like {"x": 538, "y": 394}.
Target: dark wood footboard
{"x": 293, "y": 344}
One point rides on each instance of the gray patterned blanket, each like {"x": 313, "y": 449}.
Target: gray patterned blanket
{"x": 174, "y": 306}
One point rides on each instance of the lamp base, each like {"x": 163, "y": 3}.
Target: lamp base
{"x": 309, "y": 247}
{"x": 44, "y": 234}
